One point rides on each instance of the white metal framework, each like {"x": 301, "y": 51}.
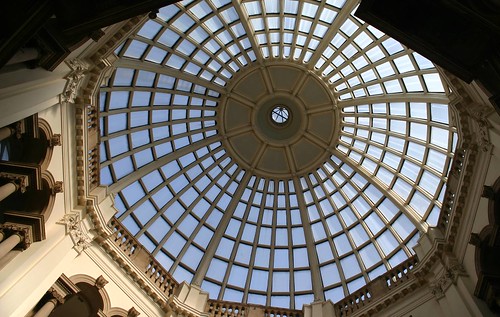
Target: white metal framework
{"x": 246, "y": 235}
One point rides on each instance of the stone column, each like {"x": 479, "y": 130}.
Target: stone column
{"x": 47, "y": 308}
{"x": 16, "y": 182}
{"x": 52, "y": 299}
{"x": 6, "y": 132}
{"x": 7, "y": 189}
{"x": 8, "y": 244}
{"x": 15, "y": 236}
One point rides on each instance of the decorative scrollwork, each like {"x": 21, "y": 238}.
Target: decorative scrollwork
{"x": 55, "y": 140}
{"x": 58, "y": 188}
{"x": 100, "y": 282}
{"x": 73, "y": 228}
{"x": 74, "y": 80}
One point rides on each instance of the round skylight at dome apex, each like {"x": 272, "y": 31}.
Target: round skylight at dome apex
{"x": 257, "y": 142}
{"x": 265, "y": 213}
{"x": 280, "y": 114}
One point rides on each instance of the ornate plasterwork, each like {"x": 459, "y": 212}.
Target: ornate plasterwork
{"x": 477, "y": 111}
{"x": 74, "y": 229}
{"x": 449, "y": 277}
{"x": 74, "y": 80}
{"x": 57, "y": 188}
{"x": 56, "y": 295}
{"x": 100, "y": 282}
{"x": 55, "y": 140}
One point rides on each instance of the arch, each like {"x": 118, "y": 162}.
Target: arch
{"x": 45, "y": 132}
{"x": 38, "y": 201}
{"x": 50, "y": 188}
{"x": 117, "y": 312}
{"x": 487, "y": 247}
{"x": 24, "y": 144}
{"x": 90, "y": 287}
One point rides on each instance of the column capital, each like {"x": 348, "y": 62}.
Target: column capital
{"x": 21, "y": 181}
{"x": 55, "y": 296}
{"x": 437, "y": 290}
{"x": 21, "y": 230}
{"x": 35, "y": 223}
{"x": 452, "y": 270}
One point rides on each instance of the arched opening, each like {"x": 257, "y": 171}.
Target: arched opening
{"x": 487, "y": 244}
{"x": 86, "y": 303}
{"x": 31, "y": 201}
{"x": 26, "y": 141}
{"x": 27, "y": 189}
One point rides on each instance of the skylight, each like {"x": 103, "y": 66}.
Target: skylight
{"x": 250, "y": 236}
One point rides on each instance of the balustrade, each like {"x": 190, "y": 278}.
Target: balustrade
{"x": 280, "y": 312}
{"x": 454, "y": 179}
{"x": 229, "y": 309}
{"x": 143, "y": 260}
{"x": 377, "y": 288}
{"x": 93, "y": 167}
{"x": 226, "y": 309}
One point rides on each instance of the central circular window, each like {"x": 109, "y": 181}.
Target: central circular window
{"x": 280, "y": 114}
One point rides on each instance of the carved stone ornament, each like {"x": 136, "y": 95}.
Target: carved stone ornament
{"x": 132, "y": 312}
{"x": 55, "y": 140}
{"x": 483, "y": 139}
{"x": 478, "y": 112}
{"x": 23, "y": 231}
{"x": 74, "y": 80}
{"x": 475, "y": 240}
{"x": 21, "y": 181}
{"x": 437, "y": 291}
{"x": 100, "y": 282}
{"x": 74, "y": 229}
{"x": 455, "y": 270}
{"x": 58, "y": 187}
{"x": 55, "y": 295}
{"x": 449, "y": 277}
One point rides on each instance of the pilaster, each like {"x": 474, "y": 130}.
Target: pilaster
{"x": 320, "y": 309}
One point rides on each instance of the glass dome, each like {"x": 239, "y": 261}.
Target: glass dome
{"x": 274, "y": 152}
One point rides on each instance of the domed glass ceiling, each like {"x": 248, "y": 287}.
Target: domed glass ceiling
{"x": 274, "y": 152}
